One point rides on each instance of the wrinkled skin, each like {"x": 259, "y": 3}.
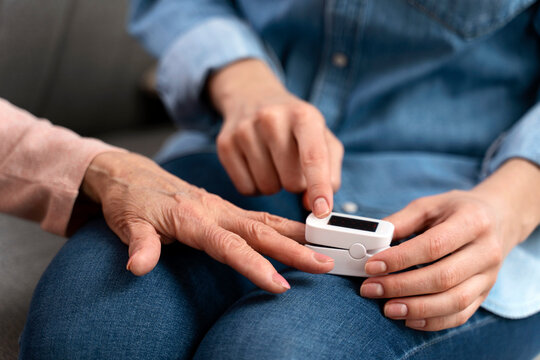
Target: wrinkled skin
{"x": 146, "y": 207}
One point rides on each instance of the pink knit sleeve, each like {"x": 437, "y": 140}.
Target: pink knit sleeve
{"x": 41, "y": 167}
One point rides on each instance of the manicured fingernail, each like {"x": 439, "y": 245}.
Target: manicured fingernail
{"x": 323, "y": 259}
{"x": 376, "y": 267}
{"x": 396, "y": 310}
{"x": 415, "y": 323}
{"x": 371, "y": 290}
{"x": 280, "y": 280}
{"x": 320, "y": 207}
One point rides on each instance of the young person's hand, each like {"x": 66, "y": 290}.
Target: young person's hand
{"x": 464, "y": 237}
{"x": 271, "y": 139}
{"x": 147, "y": 207}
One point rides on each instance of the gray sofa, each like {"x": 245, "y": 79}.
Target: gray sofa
{"x": 70, "y": 61}
{"x": 73, "y": 62}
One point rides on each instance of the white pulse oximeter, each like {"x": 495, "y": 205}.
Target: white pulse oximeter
{"x": 350, "y": 240}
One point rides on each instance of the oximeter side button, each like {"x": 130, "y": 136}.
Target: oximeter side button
{"x": 357, "y": 251}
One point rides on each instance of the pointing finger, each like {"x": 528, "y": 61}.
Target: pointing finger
{"x": 314, "y": 160}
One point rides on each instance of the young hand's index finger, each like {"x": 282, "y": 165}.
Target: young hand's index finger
{"x": 315, "y": 163}
{"x": 429, "y": 246}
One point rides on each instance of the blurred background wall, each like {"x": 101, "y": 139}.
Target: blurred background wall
{"x": 73, "y": 62}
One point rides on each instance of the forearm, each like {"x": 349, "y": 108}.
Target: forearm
{"x": 192, "y": 40}
{"x": 41, "y": 168}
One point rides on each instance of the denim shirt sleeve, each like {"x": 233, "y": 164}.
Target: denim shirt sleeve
{"x": 522, "y": 141}
{"x": 193, "y": 39}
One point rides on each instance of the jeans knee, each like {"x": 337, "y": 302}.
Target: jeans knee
{"x": 321, "y": 317}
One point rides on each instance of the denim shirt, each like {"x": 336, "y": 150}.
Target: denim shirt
{"x": 426, "y": 95}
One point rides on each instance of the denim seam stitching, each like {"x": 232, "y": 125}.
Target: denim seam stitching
{"x": 321, "y": 75}
{"x": 357, "y": 55}
{"x": 447, "y": 336}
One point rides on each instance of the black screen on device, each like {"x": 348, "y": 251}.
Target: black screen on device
{"x": 353, "y": 223}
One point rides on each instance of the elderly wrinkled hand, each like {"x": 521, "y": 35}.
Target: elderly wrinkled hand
{"x": 147, "y": 207}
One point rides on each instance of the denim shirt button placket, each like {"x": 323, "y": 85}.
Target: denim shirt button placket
{"x": 340, "y": 60}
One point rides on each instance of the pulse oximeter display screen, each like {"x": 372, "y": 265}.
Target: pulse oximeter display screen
{"x": 353, "y": 223}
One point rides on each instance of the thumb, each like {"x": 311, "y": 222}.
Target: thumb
{"x": 144, "y": 248}
{"x": 305, "y": 201}
{"x": 415, "y": 217}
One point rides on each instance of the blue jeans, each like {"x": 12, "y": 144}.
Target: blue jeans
{"x": 87, "y": 306}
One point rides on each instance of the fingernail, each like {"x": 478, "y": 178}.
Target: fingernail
{"x": 129, "y": 264}
{"x": 415, "y": 323}
{"x": 280, "y": 280}
{"x": 323, "y": 259}
{"x": 396, "y": 310}
{"x": 371, "y": 290}
{"x": 130, "y": 260}
{"x": 376, "y": 267}
{"x": 320, "y": 207}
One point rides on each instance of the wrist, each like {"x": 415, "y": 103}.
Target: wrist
{"x": 99, "y": 174}
{"x": 244, "y": 82}
{"x": 514, "y": 189}
{"x": 112, "y": 173}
